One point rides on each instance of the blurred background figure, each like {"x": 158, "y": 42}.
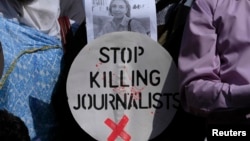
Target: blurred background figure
{"x": 12, "y": 128}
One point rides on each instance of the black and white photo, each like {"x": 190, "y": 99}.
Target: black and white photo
{"x": 106, "y": 16}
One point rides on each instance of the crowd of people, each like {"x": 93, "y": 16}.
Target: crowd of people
{"x": 212, "y": 61}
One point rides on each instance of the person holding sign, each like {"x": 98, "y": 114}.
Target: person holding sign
{"x": 120, "y": 10}
{"x": 214, "y": 60}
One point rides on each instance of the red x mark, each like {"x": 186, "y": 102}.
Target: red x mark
{"x": 118, "y": 129}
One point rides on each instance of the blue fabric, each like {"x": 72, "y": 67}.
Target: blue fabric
{"x": 28, "y": 89}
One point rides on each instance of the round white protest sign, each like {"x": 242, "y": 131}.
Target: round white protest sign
{"x": 123, "y": 86}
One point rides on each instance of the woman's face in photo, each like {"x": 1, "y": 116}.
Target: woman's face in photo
{"x": 118, "y": 8}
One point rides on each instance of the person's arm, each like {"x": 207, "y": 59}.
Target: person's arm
{"x": 199, "y": 65}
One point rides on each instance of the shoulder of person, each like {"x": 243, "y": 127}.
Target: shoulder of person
{"x": 134, "y": 21}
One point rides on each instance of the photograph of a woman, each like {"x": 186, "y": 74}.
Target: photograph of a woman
{"x": 121, "y": 21}
{"x": 106, "y": 16}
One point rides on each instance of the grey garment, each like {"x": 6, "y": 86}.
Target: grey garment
{"x": 74, "y": 9}
{"x": 10, "y": 9}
